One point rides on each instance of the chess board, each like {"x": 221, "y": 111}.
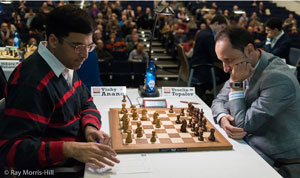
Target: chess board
{"x": 169, "y": 138}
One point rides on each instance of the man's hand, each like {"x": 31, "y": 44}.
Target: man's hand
{"x": 90, "y": 152}
{"x": 92, "y": 135}
{"x": 241, "y": 71}
{"x": 231, "y": 131}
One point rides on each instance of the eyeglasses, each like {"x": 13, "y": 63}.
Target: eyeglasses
{"x": 81, "y": 47}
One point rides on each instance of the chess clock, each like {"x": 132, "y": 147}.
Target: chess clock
{"x": 154, "y": 103}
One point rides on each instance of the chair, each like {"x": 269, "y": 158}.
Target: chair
{"x": 186, "y": 72}
{"x": 294, "y": 56}
{"x": 138, "y": 71}
{"x": 121, "y": 73}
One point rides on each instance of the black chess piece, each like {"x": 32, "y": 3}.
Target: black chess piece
{"x": 212, "y": 135}
{"x": 193, "y": 127}
{"x": 183, "y": 126}
{"x": 197, "y": 131}
{"x": 178, "y": 120}
{"x": 171, "y": 109}
{"x": 182, "y": 112}
{"x": 201, "y": 138}
{"x": 190, "y": 123}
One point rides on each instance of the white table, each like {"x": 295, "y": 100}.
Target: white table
{"x": 239, "y": 162}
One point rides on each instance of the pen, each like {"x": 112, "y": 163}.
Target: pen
{"x": 189, "y": 102}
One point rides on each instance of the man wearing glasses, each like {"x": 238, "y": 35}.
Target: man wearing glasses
{"x": 50, "y": 118}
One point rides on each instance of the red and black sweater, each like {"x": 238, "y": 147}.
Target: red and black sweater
{"x": 42, "y": 112}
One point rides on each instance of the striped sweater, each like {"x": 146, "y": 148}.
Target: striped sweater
{"x": 42, "y": 112}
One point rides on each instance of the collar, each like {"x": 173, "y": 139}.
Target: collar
{"x": 274, "y": 41}
{"x": 51, "y": 60}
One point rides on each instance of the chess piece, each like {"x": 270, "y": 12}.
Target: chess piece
{"x": 212, "y": 135}
{"x": 153, "y": 138}
{"x": 191, "y": 110}
{"x": 144, "y": 115}
{"x": 171, "y": 109}
{"x": 155, "y": 117}
{"x": 178, "y": 120}
{"x": 197, "y": 131}
{"x": 134, "y": 115}
{"x": 139, "y": 130}
{"x": 129, "y": 136}
{"x": 190, "y": 123}
{"x": 123, "y": 110}
{"x": 189, "y": 107}
{"x": 125, "y": 116}
{"x": 201, "y": 138}
{"x": 125, "y": 125}
{"x": 158, "y": 123}
{"x": 193, "y": 127}
{"x": 204, "y": 125}
{"x": 124, "y": 99}
{"x": 133, "y": 108}
{"x": 182, "y": 112}
{"x": 183, "y": 126}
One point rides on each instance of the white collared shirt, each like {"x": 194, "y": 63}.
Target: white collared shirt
{"x": 274, "y": 41}
{"x": 57, "y": 67}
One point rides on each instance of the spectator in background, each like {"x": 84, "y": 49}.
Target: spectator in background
{"x": 278, "y": 42}
{"x": 9, "y": 42}
{"x": 138, "y": 54}
{"x": 5, "y": 32}
{"x": 130, "y": 36}
{"x": 189, "y": 47}
{"x": 148, "y": 19}
{"x": 132, "y": 44}
{"x": 118, "y": 6}
{"x": 102, "y": 53}
{"x": 202, "y": 26}
{"x": 45, "y": 9}
{"x": 94, "y": 11}
{"x": 22, "y": 9}
{"x": 139, "y": 16}
{"x": 29, "y": 16}
{"x": 114, "y": 44}
{"x": 192, "y": 25}
{"x": 204, "y": 53}
{"x": 261, "y": 9}
{"x": 243, "y": 21}
{"x": 129, "y": 12}
{"x": 182, "y": 14}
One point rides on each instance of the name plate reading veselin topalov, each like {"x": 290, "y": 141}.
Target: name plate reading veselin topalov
{"x": 108, "y": 91}
{"x": 178, "y": 91}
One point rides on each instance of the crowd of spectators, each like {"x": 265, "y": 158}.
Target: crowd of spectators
{"x": 117, "y": 24}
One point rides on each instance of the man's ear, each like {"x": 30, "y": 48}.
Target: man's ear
{"x": 249, "y": 49}
{"x": 52, "y": 41}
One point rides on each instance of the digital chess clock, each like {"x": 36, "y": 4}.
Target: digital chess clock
{"x": 155, "y": 103}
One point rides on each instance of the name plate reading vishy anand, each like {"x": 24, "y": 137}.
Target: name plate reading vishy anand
{"x": 178, "y": 91}
{"x": 108, "y": 91}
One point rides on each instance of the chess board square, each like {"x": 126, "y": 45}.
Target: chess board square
{"x": 149, "y": 135}
{"x": 135, "y": 136}
{"x": 176, "y": 140}
{"x": 164, "y": 118}
{"x": 133, "y": 142}
{"x": 163, "y": 115}
{"x": 133, "y": 127}
{"x": 160, "y": 112}
{"x": 151, "y": 112}
{"x": 206, "y": 134}
{"x": 185, "y": 135}
{"x": 198, "y": 141}
{"x": 148, "y": 131}
{"x": 166, "y": 122}
{"x": 172, "y": 118}
{"x": 177, "y": 126}
{"x": 188, "y": 140}
{"x": 147, "y": 127}
{"x": 141, "y": 141}
{"x": 162, "y": 135}
{"x": 160, "y": 130}
{"x": 172, "y": 115}
{"x": 174, "y": 135}
{"x": 156, "y": 142}
{"x": 171, "y": 131}
{"x": 146, "y": 123}
{"x": 165, "y": 140}
{"x": 134, "y": 122}
{"x": 169, "y": 126}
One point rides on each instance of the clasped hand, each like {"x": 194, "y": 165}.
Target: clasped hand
{"x": 241, "y": 71}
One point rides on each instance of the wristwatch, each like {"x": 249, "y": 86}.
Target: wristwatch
{"x": 236, "y": 85}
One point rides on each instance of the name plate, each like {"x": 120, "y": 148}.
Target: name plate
{"x": 108, "y": 91}
{"x": 178, "y": 91}
{"x": 9, "y": 64}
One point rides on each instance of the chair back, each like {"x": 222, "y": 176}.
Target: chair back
{"x": 294, "y": 56}
{"x": 184, "y": 66}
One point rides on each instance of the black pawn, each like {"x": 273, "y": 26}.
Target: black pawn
{"x": 193, "y": 127}
{"x": 190, "y": 123}
{"x": 201, "y": 135}
{"x": 197, "y": 131}
{"x": 212, "y": 135}
{"x": 182, "y": 112}
{"x": 178, "y": 119}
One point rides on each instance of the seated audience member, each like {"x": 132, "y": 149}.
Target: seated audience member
{"x": 204, "y": 53}
{"x": 278, "y": 42}
{"x": 189, "y": 47}
{"x": 133, "y": 43}
{"x": 114, "y": 44}
{"x": 102, "y": 53}
{"x": 138, "y": 54}
{"x": 260, "y": 100}
{"x": 50, "y": 114}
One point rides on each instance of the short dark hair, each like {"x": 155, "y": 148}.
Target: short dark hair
{"x": 274, "y": 23}
{"x": 238, "y": 37}
{"x": 69, "y": 18}
{"x": 221, "y": 19}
